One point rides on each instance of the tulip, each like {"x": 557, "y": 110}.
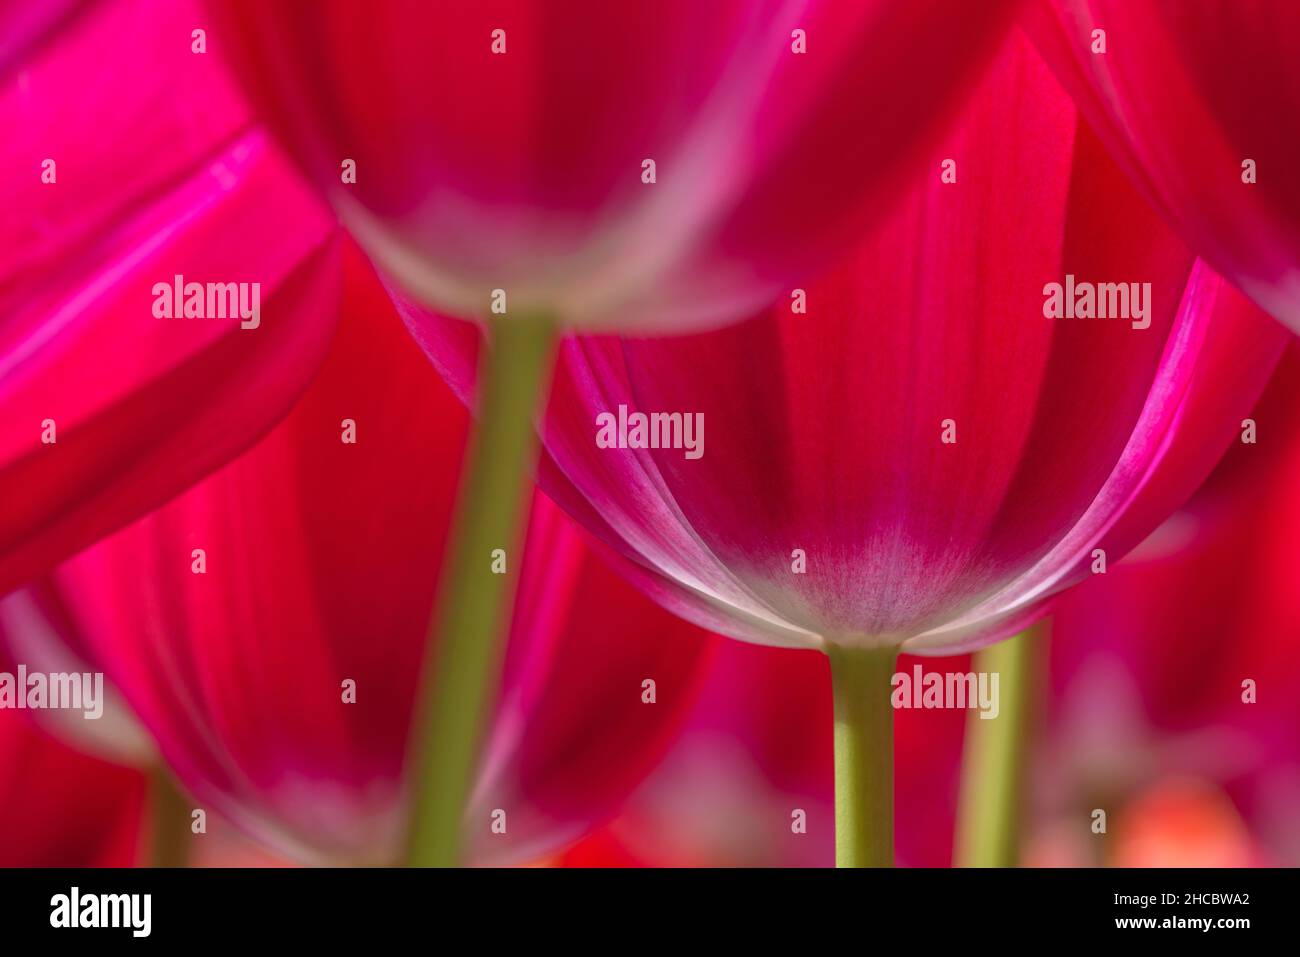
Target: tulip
{"x": 630, "y": 165}
{"x": 267, "y": 626}
{"x": 1140, "y": 713}
{"x": 1198, "y": 100}
{"x": 130, "y": 160}
{"x": 504, "y": 144}
{"x": 924, "y": 457}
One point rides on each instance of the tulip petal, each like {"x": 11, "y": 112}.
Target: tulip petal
{"x": 61, "y": 808}
{"x": 109, "y": 408}
{"x": 1185, "y": 94}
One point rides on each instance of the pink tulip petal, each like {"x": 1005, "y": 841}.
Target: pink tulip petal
{"x": 1185, "y": 92}
{"x": 1211, "y": 373}
{"x": 153, "y": 187}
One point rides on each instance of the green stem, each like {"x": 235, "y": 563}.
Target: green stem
{"x": 993, "y": 760}
{"x": 169, "y": 812}
{"x": 464, "y": 645}
{"x": 864, "y": 755}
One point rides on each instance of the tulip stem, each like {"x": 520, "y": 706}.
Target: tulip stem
{"x": 169, "y": 813}
{"x": 463, "y": 656}
{"x": 864, "y": 755}
{"x": 993, "y": 760}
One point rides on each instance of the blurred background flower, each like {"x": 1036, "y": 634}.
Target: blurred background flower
{"x": 128, "y": 161}
{"x": 503, "y": 144}
{"x": 1153, "y": 718}
{"x": 1199, "y": 100}
{"x": 317, "y": 568}
{"x": 60, "y": 807}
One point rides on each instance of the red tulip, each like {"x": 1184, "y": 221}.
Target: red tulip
{"x": 1145, "y": 717}
{"x": 313, "y": 588}
{"x": 129, "y": 161}
{"x": 1199, "y": 100}
{"x": 507, "y": 144}
{"x": 935, "y": 454}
